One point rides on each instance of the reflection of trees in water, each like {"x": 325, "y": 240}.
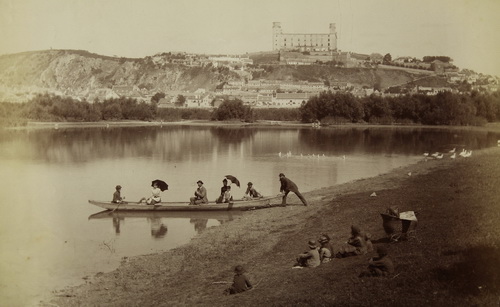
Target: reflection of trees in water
{"x": 390, "y": 140}
{"x": 172, "y": 143}
{"x": 199, "y": 224}
{"x": 231, "y": 135}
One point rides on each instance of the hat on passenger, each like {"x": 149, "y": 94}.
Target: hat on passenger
{"x": 239, "y": 269}
{"x": 281, "y": 174}
{"x": 250, "y": 183}
{"x": 199, "y": 181}
{"x": 118, "y": 187}
{"x": 324, "y": 238}
{"x": 312, "y": 244}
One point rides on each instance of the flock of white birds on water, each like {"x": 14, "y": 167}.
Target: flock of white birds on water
{"x": 302, "y": 156}
{"x": 452, "y": 154}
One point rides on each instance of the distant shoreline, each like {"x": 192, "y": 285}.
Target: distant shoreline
{"x": 492, "y": 127}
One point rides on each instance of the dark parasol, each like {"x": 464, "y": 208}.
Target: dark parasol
{"x": 162, "y": 185}
{"x": 233, "y": 180}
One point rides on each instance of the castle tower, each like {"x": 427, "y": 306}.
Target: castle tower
{"x": 333, "y": 28}
{"x": 277, "y": 31}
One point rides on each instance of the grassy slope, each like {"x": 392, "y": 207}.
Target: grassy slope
{"x": 455, "y": 261}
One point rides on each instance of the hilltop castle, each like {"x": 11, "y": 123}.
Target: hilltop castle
{"x": 304, "y": 42}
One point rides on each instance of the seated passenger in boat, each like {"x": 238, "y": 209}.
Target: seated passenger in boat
{"x": 251, "y": 192}
{"x": 223, "y": 190}
{"x": 117, "y": 198}
{"x": 227, "y": 195}
{"x": 200, "y": 195}
{"x": 155, "y": 196}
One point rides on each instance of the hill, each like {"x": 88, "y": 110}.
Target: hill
{"x": 86, "y": 75}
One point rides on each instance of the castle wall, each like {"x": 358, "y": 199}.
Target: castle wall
{"x": 304, "y": 42}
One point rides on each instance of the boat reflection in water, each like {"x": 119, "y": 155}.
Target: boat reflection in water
{"x": 157, "y": 219}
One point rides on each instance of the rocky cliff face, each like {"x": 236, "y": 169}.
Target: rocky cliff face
{"x": 82, "y": 74}
{"x": 86, "y": 75}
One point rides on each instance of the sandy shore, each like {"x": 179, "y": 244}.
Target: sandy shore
{"x": 454, "y": 260}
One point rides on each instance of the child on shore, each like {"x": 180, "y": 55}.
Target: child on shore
{"x": 309, "y": 259}
{"x": 379, "y": 266}
{"x": 241, "y": 283}
{"x": 356, "y": 245}
{"x": 325, "y": 249}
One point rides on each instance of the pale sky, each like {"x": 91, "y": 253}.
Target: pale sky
{"x": 465, "y": 30}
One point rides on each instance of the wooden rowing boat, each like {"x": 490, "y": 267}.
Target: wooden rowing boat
{"x": 236, "y": 205}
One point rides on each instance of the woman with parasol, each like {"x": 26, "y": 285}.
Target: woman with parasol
{"x": 157, "y": 187}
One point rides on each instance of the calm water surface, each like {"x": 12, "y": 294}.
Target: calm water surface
{"x": 51, "y": 237}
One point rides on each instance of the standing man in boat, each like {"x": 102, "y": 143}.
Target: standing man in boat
{"x": 200, "y": 195}
{"x": 288, "y": 186}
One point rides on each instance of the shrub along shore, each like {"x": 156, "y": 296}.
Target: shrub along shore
{"x": 445, "y": 108}
{"x": 454, "y": 260}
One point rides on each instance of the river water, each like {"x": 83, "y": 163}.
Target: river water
{"x": 50, "y": 236}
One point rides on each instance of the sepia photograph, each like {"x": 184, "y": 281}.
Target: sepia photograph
{"x": 249, "y": 153}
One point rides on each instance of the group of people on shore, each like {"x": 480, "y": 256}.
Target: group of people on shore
{"x": 201, "y": 198}
{"x": 359, "y": 243}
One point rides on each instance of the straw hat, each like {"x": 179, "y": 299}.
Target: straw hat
{"x": 312, "y": 244}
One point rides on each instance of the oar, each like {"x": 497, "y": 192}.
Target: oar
{"x": 115, "y": 208}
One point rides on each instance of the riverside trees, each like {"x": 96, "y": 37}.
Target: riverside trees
{"x": 444, "y": 108}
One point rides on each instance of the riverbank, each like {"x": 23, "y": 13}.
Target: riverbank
{"x": 455, "y": 259}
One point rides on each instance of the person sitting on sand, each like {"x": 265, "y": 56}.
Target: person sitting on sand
{"x": 200, "y": 195}
{"x": 117, "y": 198}
{"x": 325, "y": 249}
{"x": 309, "y": 259}
{"x": 251, "y": 192}
{"x": 356, "y": 245}
{"x": 241, "y": 283}
{"x": 155, "y": 196}
{"x": 379, "y": 266}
